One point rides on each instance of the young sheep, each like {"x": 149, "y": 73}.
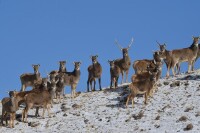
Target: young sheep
{"x": 37, "y": 98}
{"x": 114, "y": 73}
{"x": 9, "y": 106}
{"x": 59, "y": 88}
{"x": 141, "y": 87}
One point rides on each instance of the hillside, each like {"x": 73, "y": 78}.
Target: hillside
{"x": 174, "y": 106}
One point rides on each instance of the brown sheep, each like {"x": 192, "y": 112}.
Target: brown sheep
{"x": 28, "y": 79}
{"x": 125, "y": 62}
{"x": 114, "y": 74}
{"x": 94, "y": 71}
{"x": 72, "y": 78}
{"x": 142, "y": 87}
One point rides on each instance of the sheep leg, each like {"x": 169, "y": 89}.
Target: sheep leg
{"x": 146, "y": 97}
{"x": 116, "y": 82}
{"x": 12, "y": 115}
{"x": 6, "y": 118}
{"x": 94, "y": 85}
{"x": 129, "y": 96}
{"x": 88, "y": 85}
{"x": 63, "y": 91}
{"x": 173, "y": 67}
{"x": 189, "y": 66}
{"x": 100, "y": 84}
{"x": 133, "y": 96}
{"x": 2, "y": 116}
{"x": 168, "y": 69}
{"x": 193, "y": 65}
{"x": 122, "y": 77}
{"x": 111, "y": 80}
{"x": 48, "y": 110}
{"x": 91, "y": 85}
{"x": 37, "y": 112}
{"x": 44, "y": 108}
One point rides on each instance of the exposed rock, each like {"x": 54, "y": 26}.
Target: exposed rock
{"x": 188, "y": 108}
{"x": 183, "y": 118}
{"x": 197, "y": 114}
{"x": 157, "y": 117}
{"x": 175, "y": 84}
{"x": 159, "y": 85}
{"x": 33, "y": 124}
{"x": 139, "y": 116}
{"x": 188, "y": 127}
{"x": 76, "y": 106}
{"x": 166, "y": 83}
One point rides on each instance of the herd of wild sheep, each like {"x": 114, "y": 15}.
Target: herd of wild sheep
{"x": 147, "y": 73}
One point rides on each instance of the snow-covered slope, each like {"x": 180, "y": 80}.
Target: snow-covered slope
{"x": 173, "y": 107}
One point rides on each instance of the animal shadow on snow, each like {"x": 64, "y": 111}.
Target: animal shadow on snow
{"x": 190, "y": 77}
{"x": 123, "y": 92}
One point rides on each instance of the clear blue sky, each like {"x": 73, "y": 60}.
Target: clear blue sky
{"x": 47, "y": 31}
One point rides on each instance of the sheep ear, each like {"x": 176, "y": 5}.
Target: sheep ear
{"x": 193, "y": 37}
{"x": 80, "y": 62}
{"x": 33, "y": 66}
{"x": 91, "y": 56}
{"x": 109, "y": 61}
{"x": 96, "y": 56}
{"x": 74, "y": 63}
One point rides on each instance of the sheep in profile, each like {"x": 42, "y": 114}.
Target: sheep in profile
{"x": 94, "y": 71}
{"x": 114, "y": 73}
{"x": 29, "y": 79}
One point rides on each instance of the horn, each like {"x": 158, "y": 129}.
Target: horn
{"x": 130, "y": 43}
{"x": 116, "y": 42}
{"x": 158, "y": 43}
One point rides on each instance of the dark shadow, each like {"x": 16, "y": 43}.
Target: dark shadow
{"x": 190, "y": 77}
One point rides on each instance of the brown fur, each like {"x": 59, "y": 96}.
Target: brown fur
{"x": 37, "y": 99}
{"x": 59, "y": 88}
{"x": 62, "y": 69}
{"x": 125, "y": 62}
{"x": 140, "y": 66}
{"x": 141, "y": 87}
{"x": 94, "y": 71}
{"x": 198, "y": 54}
{"x": 114, "y": 74}
{"x": 29, "y": 79}
{"x": 185, "y": 55}
{"x": 9, "y": 106}
{"x": 168, "y": 58}
{"x": 72, "y": 78}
